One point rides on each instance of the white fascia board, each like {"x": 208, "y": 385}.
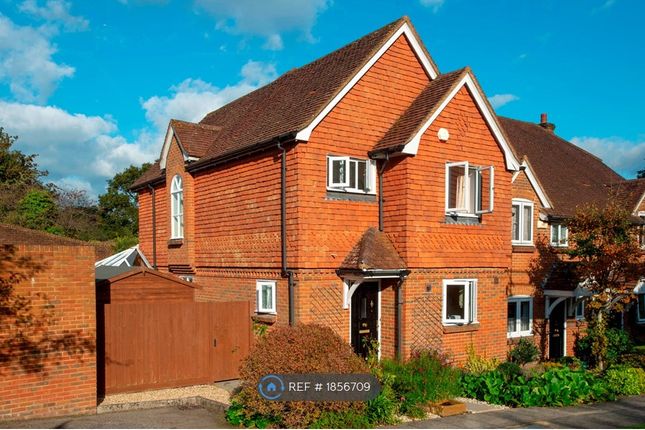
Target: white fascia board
{"x": 412, "y": 147}
{"x": 166, "y": 149}
{"x": 405, "y": 29}
{"x": 640, "y": 202}
{"x": 526, "y": 168}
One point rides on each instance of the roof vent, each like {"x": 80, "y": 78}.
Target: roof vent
{"x": 544, "y": 123}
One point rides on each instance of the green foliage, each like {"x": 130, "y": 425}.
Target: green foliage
{"x": 625, "y": 381}
{"x": 572, "y": 363}
{"x": 118, "y": 206}
{"x": 37, "y": 210}
{"x": 383, "y": 409}
{"x": 509, "y": 370}
{"x": 237, "y": 416}
{"x": 306, "y": 348}
{"x": 477, "y": 364}
{"x": 633, "y": 360}
{"x": 556, "y": 386}
{"x": 342, "y": 420}
{"x": 122, "y": 243}
{"x": 616, "y": 343}
{"x": 260, "y": 329}
{"x": 524, "y": 352}
{"x": 425, "y": 377}
{"x": 16, "y": 167}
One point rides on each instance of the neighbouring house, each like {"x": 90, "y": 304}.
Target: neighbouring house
{"x": 556, "y": 178}
{"x": 47, "y": 338}
{"x": 365, "y": 191}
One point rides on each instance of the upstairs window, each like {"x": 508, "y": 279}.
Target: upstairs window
{"x": 351, "y": 175}
{"x": 459, "y": 301}
{"x": 469, "y": 189}
{"x": 522, "y": 222}
{"x": 265, "y": 291}
{"x": 519, "y": 316}
{"x": 177, "y": 208}
{"x": 559, "y": 235}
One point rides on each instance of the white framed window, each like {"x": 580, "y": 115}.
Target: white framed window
{"x": 351, "y": 175}
{"x": 265, "y": 296}
{"x": 459, "y": 301}
{"x": 580, "y": 309}
{"x": 177, "y": 208}
{"x": 519, "y": 316}
{"x": 559, "y": 235}
{"x": 470, "y": 189}
{"x": 522, "y": 222}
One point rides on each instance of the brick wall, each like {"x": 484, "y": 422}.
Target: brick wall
{"x": 66, "y": 384}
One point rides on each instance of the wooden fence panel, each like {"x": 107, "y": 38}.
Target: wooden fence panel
{"x": 158, "y": 345}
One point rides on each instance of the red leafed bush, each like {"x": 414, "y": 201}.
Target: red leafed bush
{"x": 306, "y": 348}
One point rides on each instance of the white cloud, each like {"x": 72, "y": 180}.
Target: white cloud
{"x": 193, "y": 98}
{"x": 72, "y": 145}
{"x": 499, "y": 100}
{"x": 435, "y": 5}
{"x": 83, "y": 151}
{"x": 625, "y": 156}
{"x": 268, "y": 19}
{"x": 26, "y": 62}
{"x": 55, "y": 12}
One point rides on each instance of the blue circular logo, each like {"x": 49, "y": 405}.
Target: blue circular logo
{"x": 271, "y": 387}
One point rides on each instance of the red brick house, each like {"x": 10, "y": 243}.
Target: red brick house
{"x": 365, "y": 191}
{"x": 556, "y": 177}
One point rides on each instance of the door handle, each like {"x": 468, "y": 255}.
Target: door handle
{"x": 214, "y": 343}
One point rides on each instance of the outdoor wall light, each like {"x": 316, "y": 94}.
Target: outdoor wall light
{"x": 443, "y": 134}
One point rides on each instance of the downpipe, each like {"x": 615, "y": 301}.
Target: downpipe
{"x": 283, "y": 235}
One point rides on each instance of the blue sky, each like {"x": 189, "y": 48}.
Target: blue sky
{"x": 91, "y": 85}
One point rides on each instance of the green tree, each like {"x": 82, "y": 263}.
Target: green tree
{"x": 118, "y": 206}
{"x": 16, "y": 167}
{"x": 37, "y": 210}
{"x": 641, "y": 174}
{"x": 609, "y": 264}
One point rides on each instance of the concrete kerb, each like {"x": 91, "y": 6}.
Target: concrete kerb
{"x": 195, "y": 401}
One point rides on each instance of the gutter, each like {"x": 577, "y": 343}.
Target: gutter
{"x": 154, "y": 226}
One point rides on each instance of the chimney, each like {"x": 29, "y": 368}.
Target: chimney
{"x": 544, "y": 123}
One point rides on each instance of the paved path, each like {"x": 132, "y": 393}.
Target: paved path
{"x": 624, "y": 413}
{"x": 171, "y": 417}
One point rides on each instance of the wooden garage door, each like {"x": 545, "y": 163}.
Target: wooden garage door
{"x": 157, "y": 345}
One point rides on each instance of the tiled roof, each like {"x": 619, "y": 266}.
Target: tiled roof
{"x": 291, "y": 102}
{"x": 571, "y": 176}
{"x": 374, "y": 251}
{"x": 14, "y": 235}
{"x": 194, "y": 138}
{"x": 419, "y": 111}
{"x": 153, "y": 174}
{"x": 631, "y": 191}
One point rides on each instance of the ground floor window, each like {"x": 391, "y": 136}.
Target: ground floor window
{"x": 265, "y": 296}
{"x": 459, "y": 301}
{"x": 519, "y": 316}
{"x": 580, "y": 309}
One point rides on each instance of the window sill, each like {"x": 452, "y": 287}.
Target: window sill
{"x": 264, "y": 318}
{"x": 523, "y": 248}
{"x": 347, "y": 195}
{"x": 173, "y": 243}
{"x": 463, "y": 219}
{"x": 464, "y": 328}
{"x": 514, "y": 339}
{"x": 516, "y": 336}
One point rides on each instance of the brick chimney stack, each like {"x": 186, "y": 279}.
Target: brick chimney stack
{"x": 544, "y": 123}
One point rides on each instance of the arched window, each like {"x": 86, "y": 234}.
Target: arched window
{"x": 177, "y": 208}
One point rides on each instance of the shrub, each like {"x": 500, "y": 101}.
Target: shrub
{"x": 425, "y": 377}
{"x": 477, "y": 364}
{"x": 625, "y": 381}
{"x": 572, "y": 363}
{"x": 300, "y": 349}
{"x": 524, "y": 352}
{"x": 633, "y": 360}
{"x": 383, "y": 409}
{"x": 509, "y": 370}
{"x": 618, "y": 343}
{"x": 342, "y": 420}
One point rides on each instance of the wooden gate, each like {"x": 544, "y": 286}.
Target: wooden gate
{"x": 157, "y": 345}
